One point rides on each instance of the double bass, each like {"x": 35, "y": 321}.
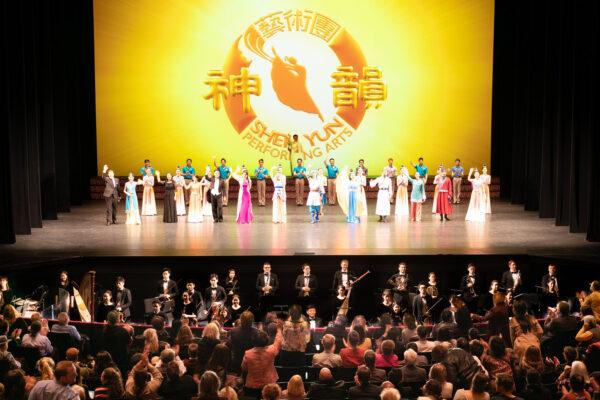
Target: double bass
{"x": 344, "y": 307}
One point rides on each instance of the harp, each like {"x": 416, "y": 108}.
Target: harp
{"x": 84, "y": 296}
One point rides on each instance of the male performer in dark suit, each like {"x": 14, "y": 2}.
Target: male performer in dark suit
{"x": 548, "y": 277}
{"x": 156, "y": 312}
{"x": 123, "y": 299}
{"x": 343, "y": 277}
{"x": 214, "y": 293}
{"x": 167, "y": 288}
{"x": 306, "y": 285}
{"x": 111, "y": 195}
{"x": 470, "y": 287}
{"x": 266, "y": 286}
{"x": 511, "y": 279}
{"x": 421, "y": 303}
{"x": 216, "y": 190}
{"x": 400, "y": 283}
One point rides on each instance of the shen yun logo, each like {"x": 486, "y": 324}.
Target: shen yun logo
{"x": 295, "y": 84}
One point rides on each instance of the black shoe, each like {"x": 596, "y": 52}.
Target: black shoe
{"x": 114, "y": 222}
{"x": 447, "y": 219}
{"x": 215, "y": 220}
{"x": 107, "y": 223}
{"x": 441, "y": 217}
{"x": 220, "y": 219}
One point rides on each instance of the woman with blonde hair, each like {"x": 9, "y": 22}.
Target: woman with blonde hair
{"x": 210, "y": 338}
{"x": 45, "y": 367}
{"x": 295, "y": 389}
{"x": 150, "y": 341}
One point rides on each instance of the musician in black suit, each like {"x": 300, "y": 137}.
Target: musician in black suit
{"x": 511, "y": 279}
{"x": 214, "y": 293}
{"x": 343, "y": 277}
{"x": 551, "y": 275}
{"x": 194, "y": 295}
{"x": 156, "y": 312}
{"x": 421, "y": 304}
{"x": 215, "y": 191}
{"x": 111, "y": 195}
{"x": 470, "y": 287}
{"x": 400, "y": 283}
{"x": 123, "y": 299}
{"x": 266, "y": 286}
{"x": 306, "y": 285}
{"x": 311, "y": 317}
{"x": 167, "y": 288}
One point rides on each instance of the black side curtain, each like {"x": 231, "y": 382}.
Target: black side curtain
{"x": 545, "y": 110}
{"x": 48, "y": 111}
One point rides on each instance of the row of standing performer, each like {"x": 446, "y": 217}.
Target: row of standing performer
{"x": 207, "y": 195}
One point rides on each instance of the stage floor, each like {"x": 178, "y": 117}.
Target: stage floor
{"x": 509, "y": 230}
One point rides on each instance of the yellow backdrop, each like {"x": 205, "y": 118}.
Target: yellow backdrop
{"x": 153, "y": 59}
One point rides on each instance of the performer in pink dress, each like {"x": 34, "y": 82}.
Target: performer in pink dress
{"x": 444, "y": 197}
{"x": 244, "y": 206}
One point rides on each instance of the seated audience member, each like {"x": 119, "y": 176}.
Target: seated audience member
{"x": 387, "y": 358}
{"x": 175, "y": 385}
{"x": 525, "y": 330}
{"x": 272, "y": 391}
{"x": 192, "y": 358}
{"x": 168, "y": 356}
{"x": 352, "y": 356}
{"x": 409, "y": 332}
{"x": 437, "y": 372}
{"x": 576, "y": 390}
{"x": 111, "y": 385}
{"x": 327, "y": 358}
{"x": 505, "y": 387}
{"x": 184, "y": 336}
{"x": 378, "y": 376}
{"x": 431, "y": 391}
{"x": 327, "y": 388}
{"x": 158, "y": 323}
{"x": 295, "y": 389}
{"x": 208, "y": 388}
{"x": 338, "y": 329}
{"x": 476, "y": 391}
{"x": 14, "y": 385}
{"x": 390, "y": 393}
{"x": 592, "y": 300}
{"x": 589, "y": 332}
{"x": 423, "y": 345}
{"x": 59, "y": 387}
{"x": 64, "y": 327}
{"x": 35, "y": 339}
{"x": 6, "y": 356}
{"x": 143, "y": 381}
{"x": 17, "y": 326}
{"x": 562, "y": 322}
{"x": 421, "y": 360}
{"x": 363, "y": 389}
{"x": 534, "y": 389}
{"x": 259, "y": 363}
{"x": 447, "y": 322}
{"x": 410, "y": 372}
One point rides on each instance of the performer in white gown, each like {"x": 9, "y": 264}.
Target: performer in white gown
{"x": 476, "y": 211}
{"x": 179, "y": 181}
{"x": 279, "y": 196}
{"x": 148, "y": 199}
{"x": 486, "y": 180}
{"x": 384, "y": 184}
{"x": 195, "y": 200}
{"x": 361, "y": 178}
{"x": 402, "y": 193}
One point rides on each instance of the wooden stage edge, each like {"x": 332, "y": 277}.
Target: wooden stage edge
{"x": 509, "y": 230}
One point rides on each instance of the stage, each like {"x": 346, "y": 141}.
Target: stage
{"x": 509, "y": 230}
